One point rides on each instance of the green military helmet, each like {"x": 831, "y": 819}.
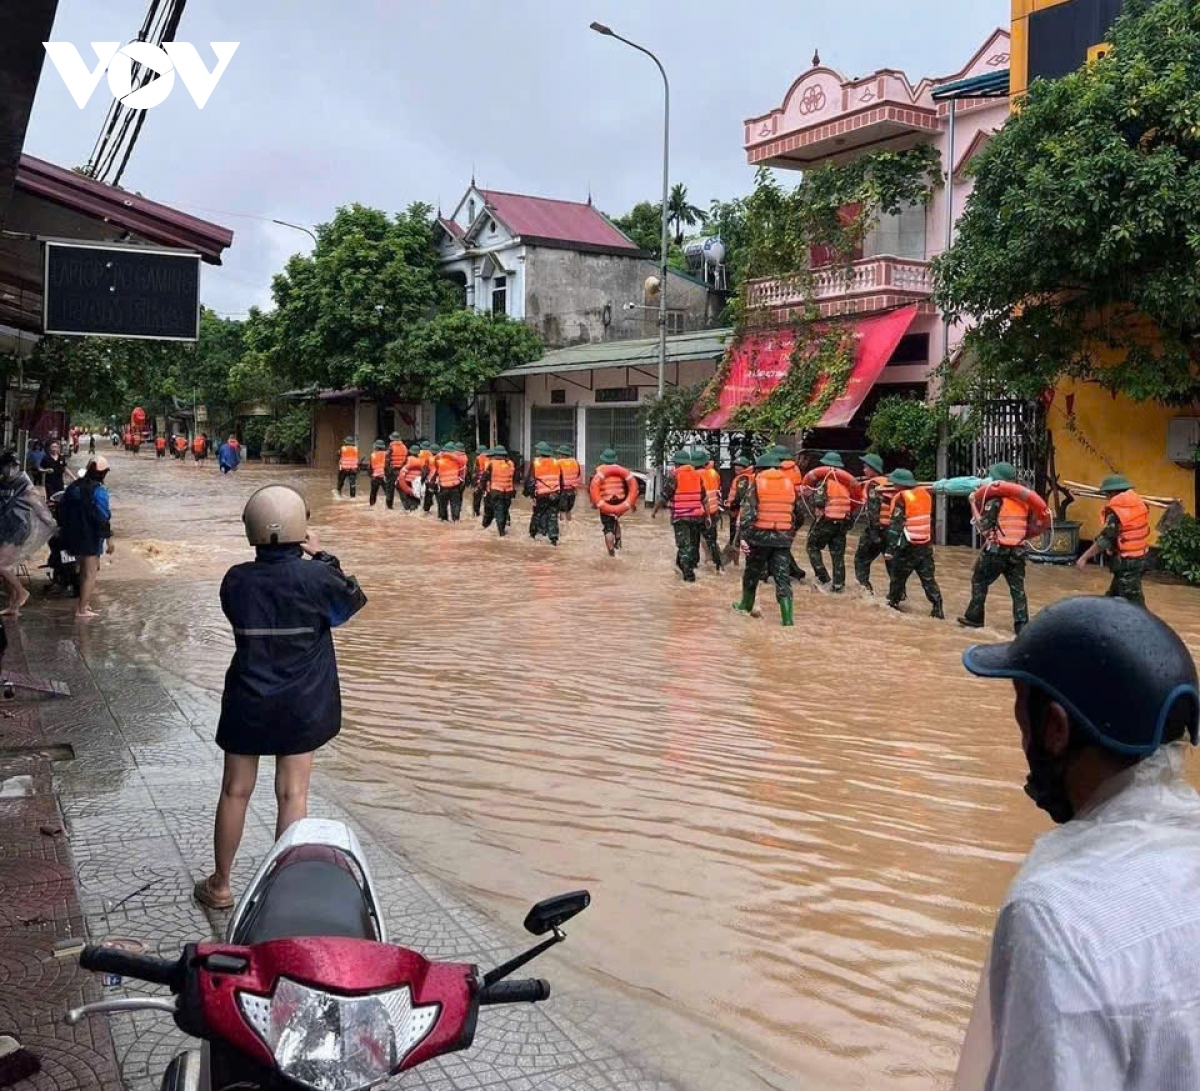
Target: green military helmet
{"x": 543, "y": 449}
{"x": 1002, "y": 471}
{"x": 768, "y": 460}
{"x": 434, "y": 449}
{"x": 873, "y": 462}
{"x": 832, "y": 458}
{"x": 608, "y": 456}
{"x": 564, "y": 449}
{"x": 743, "y": 461}
{"x": 499, "y": 451}
{"x": 778, "y": 450}
{"x": 903, "y": 479}
{"x": 1116, "y": 483}
{"x": 394, "y": 437}
{"x": 348, "y": 441}
{"x": 380, "y": 445}
{"x": 681, "y": 456}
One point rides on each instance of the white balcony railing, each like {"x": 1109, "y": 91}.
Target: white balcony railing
{"x": 902, "y": 276}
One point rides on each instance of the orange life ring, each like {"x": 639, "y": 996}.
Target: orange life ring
{"x": 615, "y": 508}
{"x": 1039, "y": 511}
{"x": 814, "y": 478}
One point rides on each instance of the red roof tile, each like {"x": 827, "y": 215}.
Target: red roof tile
{"x": 563, "y": 221}
{"x": 451, "y": 227}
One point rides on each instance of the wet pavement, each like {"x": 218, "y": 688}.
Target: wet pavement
{"x": 795, "y": 840}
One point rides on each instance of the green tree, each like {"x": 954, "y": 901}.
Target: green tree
{"x": 452, "y": 355}
{"x": 370, "y": 279}
{"x": 682, "y": 212}
{"x": 1077, "y": 251}
{"x": 643, "y": 224}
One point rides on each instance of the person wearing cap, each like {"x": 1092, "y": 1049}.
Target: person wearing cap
{"x": 499, "y": 483}
{"x": 348, "y": 467}
{"x": 877, "y": 509}
{"x": 1004, "y": 525}
{"x": 377, "y": 464}
{"x": 833, "y": 505}
{"x": 683, "y": 493}
{"x": 85, "y": 515}
{"x": 572, "y": 478}
{"x": 451, "y": 480}
{"x": 910, "y": 542}
{"x": 282, "y": 695}
{"x": 397, "y": 457}
{"x": 545, "y": 486}
{"x": 713, "y": 503}
{"x": 428, "y": 455}
{"x": 770, "y": 510}
{"x": 614, "y": 484}
{"x": 743, "y": 478}
{"x": 1092, "y": 981}
{"x": 229, "y": 455}
{"x": 478, "y": 489}
{"x": 1125, "y": 538}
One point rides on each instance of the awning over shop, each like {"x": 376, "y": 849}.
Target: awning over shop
{"x": 762, "y": 358}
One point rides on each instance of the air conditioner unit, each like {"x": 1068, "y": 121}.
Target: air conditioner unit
{"x": 1183, "y": 437}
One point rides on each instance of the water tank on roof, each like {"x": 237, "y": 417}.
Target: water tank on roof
{"x": 708, "y": 251}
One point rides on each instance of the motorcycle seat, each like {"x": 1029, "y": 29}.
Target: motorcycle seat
{"x": 309, "y": 898}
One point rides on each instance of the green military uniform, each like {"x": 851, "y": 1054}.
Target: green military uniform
{"x": 700, "y": 459}
{"x": 497, "y": 505}
{"x": 378, "y": 484}
{"x": 770, "y": 555}
{"x": 907, "y": 557}
{"x": 828, "y": 534}
{"x": 688, "y": 530}
{"x": 392, "y": 474}
{"x": 544, "y": 519}
{"x": 431, "y": 485}
{"x": 872, "y": 542}
{"x": 741, "y": 484}
{"x": 996, "y": 560}
{"x": 1126, "y": 571}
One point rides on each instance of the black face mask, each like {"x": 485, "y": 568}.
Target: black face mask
{"x": 1046, "y": 784}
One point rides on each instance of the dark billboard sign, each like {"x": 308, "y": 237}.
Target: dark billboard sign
{"x": 1061, "y": 36}
{"x": 121, "y": 291}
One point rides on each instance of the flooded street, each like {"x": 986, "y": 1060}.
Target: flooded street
{"x": 795, "y": 840}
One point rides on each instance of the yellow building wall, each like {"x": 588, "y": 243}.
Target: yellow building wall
{"x": 1131, "y": 435}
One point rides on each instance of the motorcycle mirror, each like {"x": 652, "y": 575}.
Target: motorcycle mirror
{"x": 553, "y": 912}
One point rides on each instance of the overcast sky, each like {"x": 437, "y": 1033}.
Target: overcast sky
{"x": 391, "y": 101}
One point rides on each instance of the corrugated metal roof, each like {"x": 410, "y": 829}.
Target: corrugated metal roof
{"x": 546, "y": 218}
{"x": 989, "y": 85}
{"x": 681, "y": 347}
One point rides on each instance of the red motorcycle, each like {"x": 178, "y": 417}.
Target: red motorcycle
{"x": 308, "y": 992}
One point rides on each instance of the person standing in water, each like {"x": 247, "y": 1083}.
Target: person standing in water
{"x": 282, "y": 694}
{"x": 499, "y": 484}
{"x": 877, "y": 502}
{"x": 545, "y": 486}
{"x": 910, "y": 542}
{"x": 348, "y": 467}
{"x": 833, "y": 504}
{"x": 616, "y": 488}
{"x": 1125, "y": 539}
{"x": 572, "y": 478}
{"x": 710, "y": 476}
{"x": 770, "y": 513}
{"x": 683, "y": 492}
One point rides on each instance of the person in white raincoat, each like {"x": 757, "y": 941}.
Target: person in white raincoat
{"x": 1093, "y": 981}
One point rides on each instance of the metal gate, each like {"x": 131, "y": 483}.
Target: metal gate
{"x": 552, "y": 425}
{"x": 1009, "y": 431}
{"x": 620, "y": 429}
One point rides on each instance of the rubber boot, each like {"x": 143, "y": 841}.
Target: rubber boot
{"x": 746, "y": 605}
{"x": 967, "y": 623}
{"x": 787, "y": 612}
{"x": 938, "y": 613}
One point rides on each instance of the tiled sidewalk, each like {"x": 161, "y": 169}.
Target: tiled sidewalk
{"x": 138, "y": 800}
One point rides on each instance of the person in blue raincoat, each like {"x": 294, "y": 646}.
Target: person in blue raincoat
{"x": 228, "y": 457}
{"x": 282, "y": 694}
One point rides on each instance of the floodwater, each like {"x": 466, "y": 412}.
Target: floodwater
{"x": 795, "y": 840}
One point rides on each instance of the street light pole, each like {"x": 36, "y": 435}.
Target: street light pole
{"x": 297, "y": 227}
{"x": 608, "y": 32}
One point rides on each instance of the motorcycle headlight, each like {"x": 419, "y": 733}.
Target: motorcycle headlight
{"x": 337, "y": 1043}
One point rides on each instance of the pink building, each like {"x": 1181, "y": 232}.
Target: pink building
{"x": 826, "y": 118}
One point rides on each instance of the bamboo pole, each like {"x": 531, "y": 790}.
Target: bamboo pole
{"x": 1090, "y": 492}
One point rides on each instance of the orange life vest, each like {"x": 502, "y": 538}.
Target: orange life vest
{"x": 918, "y": 516}
{"x": 449, "y": 470}
{"x": 160, "y": 444}
{"x": 348, "y": 459}
{"x": 731, "y": 500}
{"x": 1013, "y": 526}
{"x": 687, "y": 503}
{"x": 792, "y": 472}
{"x": 378, "y": 463}
{"x": 198, "y": 445}
{"x": 426, "y": 458}
{"x": 461, "y": 458}
{"x": 837, "y": 500}
{"x": 481, "y": 464}
{"x": 503, "y": 472}
{"x": 181, "y": 443}
{"x": 1134, "y": 516}
{"x": 711, "y": 477}
{"x": 776, "y": 501}
{"x": 413, "y": 468}
{"x": 571, "y": 472}
{"x": 397, "y": 453}
{"x": 547, "y": 476}
{"x": 887, "y": 500}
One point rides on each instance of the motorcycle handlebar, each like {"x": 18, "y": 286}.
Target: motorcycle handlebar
{"x": 111, "y": 960}
{"x": 527, "y": 991}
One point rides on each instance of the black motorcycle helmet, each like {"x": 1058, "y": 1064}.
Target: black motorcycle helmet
{"x": 10, "y": 465}
{"x": 1117, "y": 670}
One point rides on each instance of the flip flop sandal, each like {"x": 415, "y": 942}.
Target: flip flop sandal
{"x": 202, "y": 892}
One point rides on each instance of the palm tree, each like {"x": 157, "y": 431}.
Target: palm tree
{"x": 682, "y": 213}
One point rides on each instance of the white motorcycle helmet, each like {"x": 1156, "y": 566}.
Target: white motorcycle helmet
{"x": 276, "y": 515}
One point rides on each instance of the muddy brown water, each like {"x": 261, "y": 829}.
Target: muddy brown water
{"x": 795, "y": 840}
